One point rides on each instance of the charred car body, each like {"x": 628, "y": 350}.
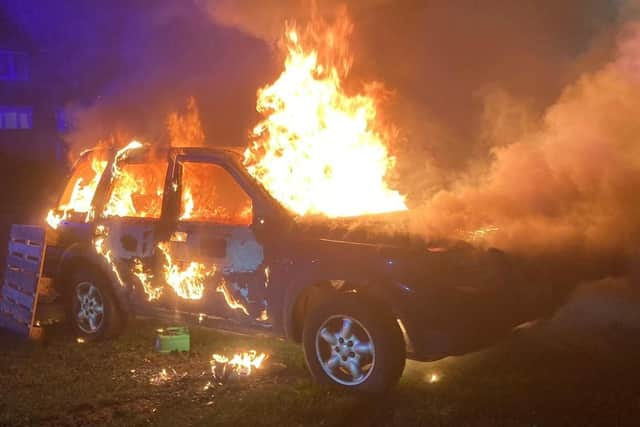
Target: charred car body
{"x": 191, "y": 233}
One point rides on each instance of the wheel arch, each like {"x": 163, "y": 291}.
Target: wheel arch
{"x": 80, "y": 256}
{"x": 298, "y": 303}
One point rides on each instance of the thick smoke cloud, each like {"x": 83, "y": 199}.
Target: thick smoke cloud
{"x": 569, "y": 182}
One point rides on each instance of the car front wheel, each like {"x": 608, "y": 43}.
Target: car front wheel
{"x": 352, "y": 343}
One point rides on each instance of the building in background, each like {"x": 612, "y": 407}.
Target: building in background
{"x": 31, "y": 118}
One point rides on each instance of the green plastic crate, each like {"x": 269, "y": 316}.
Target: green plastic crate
{"x": 174, "y": 338}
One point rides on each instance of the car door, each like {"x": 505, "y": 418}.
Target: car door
{"x": 212, "y": 260}
{"x": 128, "y": 223}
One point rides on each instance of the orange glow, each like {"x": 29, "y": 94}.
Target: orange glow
{"x": 78, "y": 194}
{"x": 185, "y": 128}
{"x": 241, "y": 363}
{"x": 211, "y": 194}
{"x": 137, "y": 190}
{"x": 319, "y": 150}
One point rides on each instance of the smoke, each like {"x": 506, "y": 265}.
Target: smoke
{"x": 600, "y": 304}
{"x": 565, "y": 183}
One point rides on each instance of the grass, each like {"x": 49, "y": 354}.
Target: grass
{"x": 539, "y": 377}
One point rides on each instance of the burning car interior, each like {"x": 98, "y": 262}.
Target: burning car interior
{"x": 374, "y": 232}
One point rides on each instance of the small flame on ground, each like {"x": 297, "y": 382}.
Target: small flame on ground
{"x": 165, "y": 376}
{"x": 242, "y": 364}
{"x": 433, "y": 378}
{"x": 80, "y": 340}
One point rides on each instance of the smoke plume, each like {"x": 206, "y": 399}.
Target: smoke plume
{"x": 567, "y": 182}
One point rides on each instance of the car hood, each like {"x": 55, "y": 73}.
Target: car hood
{"x": 389, "y": 230}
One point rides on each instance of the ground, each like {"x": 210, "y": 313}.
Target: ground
{"x": 541, "y": 376}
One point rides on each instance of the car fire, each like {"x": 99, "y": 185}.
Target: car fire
{"x": 233, "y": 199}
{"x": 313, "y": 133}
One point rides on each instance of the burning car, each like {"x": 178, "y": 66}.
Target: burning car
{"x": 189, "y": 233}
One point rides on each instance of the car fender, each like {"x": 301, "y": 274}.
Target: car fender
{"x": 77, "y": 255}
{"x": 341, "y": 278}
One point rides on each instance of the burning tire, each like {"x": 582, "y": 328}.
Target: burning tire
{"x": 350, "y": 343}
{"x": 92, "y": 307}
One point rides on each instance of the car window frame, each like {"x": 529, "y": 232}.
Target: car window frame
{"x": 179, "y": 160}
{"x": 104, "y": 190}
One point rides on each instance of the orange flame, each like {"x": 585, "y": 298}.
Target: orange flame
{"x": 78, "y": 195}
{"x": 319, "y": 150}
{"x": 241, "y": 363}
{"x": 229, "y": 299}
{"x": 101, "y": 235}
{"x": 187, "y": 282}
{"x": 152, "y": 292}
{"x": 137, "y": 189}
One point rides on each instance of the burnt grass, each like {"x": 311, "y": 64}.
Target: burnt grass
{"x": 541, "y": 376}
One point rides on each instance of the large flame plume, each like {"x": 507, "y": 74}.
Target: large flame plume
{"x": 320, "y": 150}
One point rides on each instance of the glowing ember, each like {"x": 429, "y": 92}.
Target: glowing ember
{"x": 187, "y": 282}
{"x": 319, "y": 150}
{"x": 241, "y": 364}
{"x": 165, "y": 376}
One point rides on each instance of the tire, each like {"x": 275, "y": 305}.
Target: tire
{"x": 92, "y": 307}
{"x": 367, "y": 356}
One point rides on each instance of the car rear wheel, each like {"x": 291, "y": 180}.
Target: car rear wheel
{"x": 92, "y": 307}
{"x": 352, "y": 343}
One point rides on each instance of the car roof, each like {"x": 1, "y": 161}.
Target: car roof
{"x": 235, "y": 151}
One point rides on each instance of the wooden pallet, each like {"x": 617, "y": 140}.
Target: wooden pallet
{"x": 19, "y": 293}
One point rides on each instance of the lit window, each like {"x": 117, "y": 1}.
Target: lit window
{"x": 211, "y": 194}
{"x": 15, "y": 118}
{"x": 14, "y": 65}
